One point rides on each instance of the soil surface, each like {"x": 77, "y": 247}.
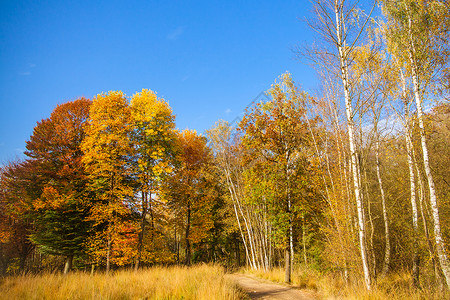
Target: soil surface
{"x": 257, "y": 288}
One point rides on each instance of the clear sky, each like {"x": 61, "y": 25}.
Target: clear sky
{"x": 208, "y": 59}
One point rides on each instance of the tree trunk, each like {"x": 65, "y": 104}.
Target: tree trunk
{"x": 108, "y": 253}
{"x": 109, "y": 229}
{"x": 188, "y": 227}
{"x": 440, "y": 245}
{"x": 287, "y": 258}
{"x": 68, "y": 264}
{"x": 304, "y": 241}
{"x": 412, "y": 182}
{"x": 238, "y": 252}
{"x": 423, "y": 210}
{"x": 291, "y": 241}
{"x": 237, "y": 204}
{"x": 351, "y": 138}
{"x": 177, "y": 245}
{"x": 142, "y": 232}
{"x": 416, "y": 259}
{"x": 290, "y": 247}
{"x": 387, "y": 249}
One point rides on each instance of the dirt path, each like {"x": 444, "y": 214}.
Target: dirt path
{"x": 261, "y": 289}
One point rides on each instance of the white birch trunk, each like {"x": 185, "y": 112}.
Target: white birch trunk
{"x": 353, "y": 154}
{"x": 234, "y": 196}
{"x": 237, "y": 204}
{"x": 440, "y": 245}
{"x": 424, "y": 210}
{"x": 412, "y": 183}
{"x": 387, "y": 249}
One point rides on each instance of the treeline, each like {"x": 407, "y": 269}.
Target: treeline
{"x": 351, "y": 180}
{"x": 112, "y": 183}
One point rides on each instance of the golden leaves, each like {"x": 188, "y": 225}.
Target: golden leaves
{"x": 51, "y": 199}
{"x": 128, "y": 147}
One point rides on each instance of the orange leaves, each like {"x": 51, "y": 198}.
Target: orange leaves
{"x": 56, "y": 141}
{"x": 128, "y": 148}
{"x": 189, "y": 190}
{"x": 106, "y": 149}
{"x": 51, "y": 199}
{"x": 106, "y": 143}
{"x": 277, "y": 127}
{"x": 193, "y": 148}
{"x": 123, "y": 244}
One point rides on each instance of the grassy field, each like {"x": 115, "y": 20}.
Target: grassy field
{"x": 200, "y": 282}
{"x": 197, "y": 282}
{"x": 393, "y": 287}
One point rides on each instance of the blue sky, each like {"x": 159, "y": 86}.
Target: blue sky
{"x": 208, "y": 59}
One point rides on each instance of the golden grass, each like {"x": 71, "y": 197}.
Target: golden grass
{"x": 197, "y": 282}
{"x": 331, "y": 286}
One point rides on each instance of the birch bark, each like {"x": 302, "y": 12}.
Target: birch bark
{"x": 338, "y": 5}
{"x": 440, "y": 245}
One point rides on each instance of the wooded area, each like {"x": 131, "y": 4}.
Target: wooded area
{"x": 352, "y": 179}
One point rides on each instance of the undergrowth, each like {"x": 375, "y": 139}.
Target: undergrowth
{"x": 197, "y": 282}
{"x": 333, "y": 286}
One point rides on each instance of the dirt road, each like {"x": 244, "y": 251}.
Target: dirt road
{"x": 261, "y": 289}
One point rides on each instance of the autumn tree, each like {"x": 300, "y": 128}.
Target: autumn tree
{"x": 279, "y": 137}
{"x": 250, "y": 218}
{"x": 187, "y": 190}
{"x": 17, "y": 191}
{"x": 342, "y": 29}
{"x": 108, "y": 151}
{"x": 61, "y": 205}
{"x": 415, "y": 34}
{"x": 153, "y": 137}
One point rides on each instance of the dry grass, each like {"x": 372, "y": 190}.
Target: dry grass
{"x": 198, "y": 282}
{"x": 330, "y": 286}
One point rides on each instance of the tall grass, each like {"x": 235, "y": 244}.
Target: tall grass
{"x": 332, "y": 286}
{"x": 198, "y": 282}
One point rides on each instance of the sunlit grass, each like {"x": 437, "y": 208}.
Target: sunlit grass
{"x": 332, "y": 286}
{"x": 198, "y": 282}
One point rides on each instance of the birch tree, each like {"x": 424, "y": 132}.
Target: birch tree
{"x": 415, "y": 31}
{"x": 251, "y": 218}
{"x": 334, "y": 22}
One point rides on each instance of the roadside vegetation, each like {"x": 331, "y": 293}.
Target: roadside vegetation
{"x": 331, "y": 285}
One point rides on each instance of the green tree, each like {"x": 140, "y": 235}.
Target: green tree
{"x": 278, "y": 135}
{"x": 60, "y": 208}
